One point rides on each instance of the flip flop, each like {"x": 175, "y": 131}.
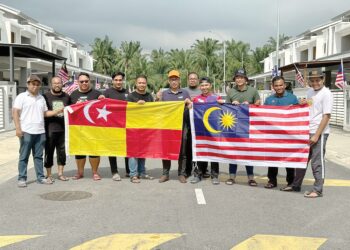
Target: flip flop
{"x": 252, "y": 183}
{"x": 312, "y": 194}
{"x": 96, "y": 177}
{"x": 77, "y": 176}
{"x": 230, "y": 181}
{"x": 270, "y": 185}
{"x": 63, "y": 178}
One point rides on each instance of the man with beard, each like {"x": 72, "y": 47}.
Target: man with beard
{"x": 55, "y": 139}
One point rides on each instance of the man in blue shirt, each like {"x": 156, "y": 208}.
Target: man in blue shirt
{"x": 280, "y": 98}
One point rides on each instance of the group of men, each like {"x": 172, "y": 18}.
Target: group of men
{"x": 40, "y": 124}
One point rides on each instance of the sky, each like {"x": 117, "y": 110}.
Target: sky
{"x": 171, "y": 24}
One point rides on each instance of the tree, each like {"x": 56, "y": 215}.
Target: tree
{"x": 271, "y": 43}
{"x": 103, "y": 52}
{"x": 128, "y": 51}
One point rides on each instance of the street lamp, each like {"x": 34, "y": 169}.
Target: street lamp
{"x": 224, "y": 45}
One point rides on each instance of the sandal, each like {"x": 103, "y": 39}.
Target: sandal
{"x": 312, "y": 194}
{"x": 96, "y": 177}
{"x": 51, "y": 179}
{"x": 270, "y": 185}
{"x": 63, "y": 178}
{"x": 230, "y": 181}
{"x": 252, "y": 183}
{"x": 134, "y": 179}
{"x": 77, "y": 176}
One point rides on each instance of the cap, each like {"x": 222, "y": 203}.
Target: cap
{"x": 316, "y": 73}
{"x": 241, "y": 72}
{"x": 174, "y": 73}
{"x": 33, "y": 78}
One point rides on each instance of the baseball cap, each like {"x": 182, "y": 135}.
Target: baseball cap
{"x": 241, "y": 72}
{"x": 33, "y": 78}
{"x": 316, "y": 73}
{"x": 174, "y": 73}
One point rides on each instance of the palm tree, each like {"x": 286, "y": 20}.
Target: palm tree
{"x": 102, "y": 51}
{"x": 128, "y": 51}
{"x": 259, "y": 54}
{"x": 272, "y": 41}
{"x": 206, "y": 53}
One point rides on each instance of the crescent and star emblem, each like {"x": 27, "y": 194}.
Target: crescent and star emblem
{"x": 102, "y": 113}
{"x": 227, "y": 120}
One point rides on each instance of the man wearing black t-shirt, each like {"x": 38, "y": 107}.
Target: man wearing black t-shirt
{"x": 140, "y": 96}
{"x": 55, "y": 99}
{"x": 117, "y": 92}
{"x": 85, "y": 92}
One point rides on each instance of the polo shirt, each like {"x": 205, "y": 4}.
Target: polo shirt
{"x": 32, "y": 112}
{"x": 209, "y": 98}
{"x": 248, "y": 93}
{"x": 285, "y": 100}
{"x": 180, "y": 95}
{"x": 193, "y": 91}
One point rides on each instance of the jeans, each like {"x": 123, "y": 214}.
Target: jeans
{"x": 36, "y": 144}
{"x": 137, "y": 166}
{"x": 233, "y": 169}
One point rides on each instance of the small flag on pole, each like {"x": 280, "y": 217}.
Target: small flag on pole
{"x": 63, "y": 73}
{"x": 97, "y": 85}
{"x": 298, "y": 77}
{"x": 274, "y": 72}
{"x": 69, "y": 87}
{"x": 340, "y": 79}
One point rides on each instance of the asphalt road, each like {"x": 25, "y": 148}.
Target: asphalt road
{"x": 230, "y": 215}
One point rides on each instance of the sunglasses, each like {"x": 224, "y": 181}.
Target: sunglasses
{"x": 84, "y": 81}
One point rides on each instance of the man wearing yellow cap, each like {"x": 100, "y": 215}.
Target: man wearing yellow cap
{"x": 175, "y": 93}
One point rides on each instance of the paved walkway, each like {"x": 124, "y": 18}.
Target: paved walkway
{"x": 338, "y": 151}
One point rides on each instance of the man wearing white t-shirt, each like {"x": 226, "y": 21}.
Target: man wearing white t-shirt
{"x": 320, "y": 100}
{"x": 28, "y": 114}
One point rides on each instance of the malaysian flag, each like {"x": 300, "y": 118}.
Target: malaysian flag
{"x": 63, "y": 73}
{"x": 105, "y": 85}
{"x": 69, "y": 87}
{"x": 340, "y": 79}
{"x": 267, "y": 136}
{"x": 97, "y": 85}
{"x": 299, "y": 77}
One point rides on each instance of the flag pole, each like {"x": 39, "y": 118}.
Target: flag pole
{"x": 278, "y": 36}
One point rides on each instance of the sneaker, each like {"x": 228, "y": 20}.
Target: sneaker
{"x": 45, "y": 181}
{"x": 146, "y": 177}
{"x": 206, "y": 175}
{"x": 195, "y": 180}
{"x": 22, "y": 184}
{"x": 116, "y": 177}
{"x": 215, "y": 181}
{"x": 163, "y": 178}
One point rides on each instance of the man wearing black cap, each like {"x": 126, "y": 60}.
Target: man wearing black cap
{"x": 320, "y": 100}
{"x": 242, "y": 94}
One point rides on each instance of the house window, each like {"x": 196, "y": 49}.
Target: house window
{"x": 314, "y": 53}
{"x": 80, "y": 63}
{"x": 25, "y": 40}
{"x": 345, "y": 43}
{"x": 59, "y": 52}
{"x": 13, "y": 37}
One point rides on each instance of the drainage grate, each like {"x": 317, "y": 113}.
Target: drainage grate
{"x": 66, "y": 195}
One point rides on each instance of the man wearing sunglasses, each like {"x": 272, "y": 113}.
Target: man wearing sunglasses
{"x": 29, "y": 110}
{"x": 85, "y": 92}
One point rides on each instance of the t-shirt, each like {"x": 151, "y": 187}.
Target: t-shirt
{"x": 32, "y": 112}
{"x": 193, "y": 92}
{"x": 92, "y": 94}
{"x": 55, "y": 102}
{"x": 180, "y": 95}
{"x": 285, "y": 100}
{"x": 116, "y": 94}
{"x": 135, "y": 97}
{"x": 321, "y": 104}
{"x": 248, "y": 93}
{"x": 208, "y": 98}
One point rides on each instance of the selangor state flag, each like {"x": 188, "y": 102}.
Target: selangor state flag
{"x": 271, "y": 136}
{"x": 110, "y": 127}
